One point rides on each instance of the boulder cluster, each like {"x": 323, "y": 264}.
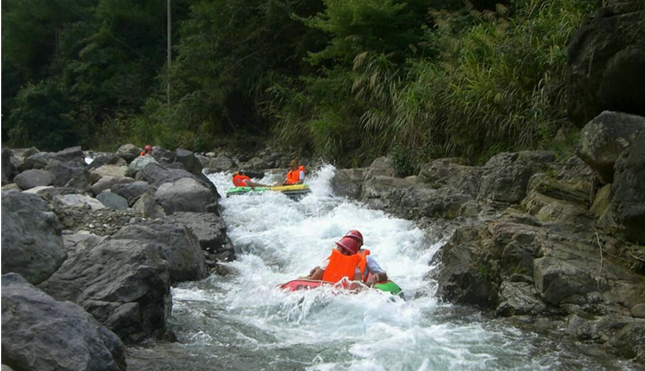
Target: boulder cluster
{"x": 528, "y": 236}
{"x": 90, "y": 251}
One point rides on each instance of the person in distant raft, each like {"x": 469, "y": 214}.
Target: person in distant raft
{"x": 240, "y": 179}
{"x": 296, "y": 175}
{"x": 146, "y": 151}
{"x": 349, "y": 260}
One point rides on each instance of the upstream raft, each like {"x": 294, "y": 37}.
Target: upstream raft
{"x": 293, "y": 191}
{"x": 296, "y": 285}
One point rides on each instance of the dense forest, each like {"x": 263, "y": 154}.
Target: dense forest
{"x": 344, "y": 80}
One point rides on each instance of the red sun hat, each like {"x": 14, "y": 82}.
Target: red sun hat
{"x": 358, "y": 236}
{"x": 349, "y": 244}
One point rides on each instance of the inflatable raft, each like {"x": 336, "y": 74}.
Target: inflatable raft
{"x": 387, "y": 286}
{"x": 296, "y": 190}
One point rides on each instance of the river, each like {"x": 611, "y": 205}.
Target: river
{"x": 243, "y": 321}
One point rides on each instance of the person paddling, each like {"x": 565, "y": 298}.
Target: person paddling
{"x": 296, "y": 174}
{"x": 240, "y": 179}
{"x": 348, "y": 260}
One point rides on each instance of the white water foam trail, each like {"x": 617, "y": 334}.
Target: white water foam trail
{"x": 278, "y": 239}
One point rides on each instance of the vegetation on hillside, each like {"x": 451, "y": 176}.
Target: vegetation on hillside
{"x": 345, "y": 80}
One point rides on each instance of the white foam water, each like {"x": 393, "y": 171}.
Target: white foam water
{"x": 244, "y": 321}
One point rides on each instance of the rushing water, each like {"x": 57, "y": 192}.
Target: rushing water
{"x": 245, "y": 322}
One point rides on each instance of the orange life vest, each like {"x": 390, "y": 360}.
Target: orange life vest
{"x": 143, "y": 153}
{"x": 363, "y": 263}
{"x": 238, "y": 180}
{"x": 293, "y": 177}
{"x": 340, "y": 266}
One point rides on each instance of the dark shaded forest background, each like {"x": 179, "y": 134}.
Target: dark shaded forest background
{"x": 344, "y": 80}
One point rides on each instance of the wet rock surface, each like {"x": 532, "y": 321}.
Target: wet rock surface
{"x": 32, "y": 322}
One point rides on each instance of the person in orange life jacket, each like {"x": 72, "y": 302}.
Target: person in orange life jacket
{"x": 242, "y": 180}
{"x": 146, "y": 151}
{"x": 296, "y": 175}
{"x": 348, "y": 258}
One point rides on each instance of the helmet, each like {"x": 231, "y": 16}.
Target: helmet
{"x": 148, "y": 148}
{"x": 355, "y": 235}
{"x": 349, "y": 244}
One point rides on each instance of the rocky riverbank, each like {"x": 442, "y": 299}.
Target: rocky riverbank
{"x": 532, "y": 238}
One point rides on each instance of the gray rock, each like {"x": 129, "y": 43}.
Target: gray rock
{"x": 518, "y": 298}
{"x": 40, "y": 333}
{"x": 139, "y": 163}
{"x": 382, "y": 166}
{"x": 108, "y": 182}
{"x": 602, "y": 201}
{"x": 124, "y": 284}
{"x": 179, "y": 247}
{"x": 185, "y": 194}
{"x": 24, "y": 152}
{"x": 187, "y": 158}
{"x": 163, "y": 156}
{"x": 604, "y": 138}
{"x": 7, "y": 166}
{"x": 76, "y": 200}
{"x": 113, "y": 200}
{"x": 628, "y": 191}
{"x": 108, "y": 170}
{"x": 36, "y": 161}
{"x": 209, "y": 229}
{"x": 506, "y": 184}
{"x": 606, "y": 65}
{"x": 34, "y": 178}
{"x": 31, "y": 242}
{"x": 128, "y": 152}
{"x": 638, "y": 310}
{"x": 147, "y": 207}
{"x": 221, "y": 163}
{"x": 109, "y": 159}
{"x": 65, "y": 171}
{"x": 255, "y": 163}
{"x": 72, "y": 154}
{"x": 131, "y": 191}
{"x": 11, "y": 187}
{"x": 47, "y": 193}
{"x": 205, "y": 161}
{"x": 348, "y": 182}
{"x": 78, "y": 185}
{"x": 557, "y": 280}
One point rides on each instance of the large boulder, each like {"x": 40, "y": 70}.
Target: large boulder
{"x": 382, "y": 166}
{"x": 108, "y": 170}
{"x": 65, "y": 171}
{"x": 628, "y": 191}
{"x": 31, "y": 241}
{"x": 210, "y": 230}
{"x": 124, "y": 284}
{"x": 108, "y": 182}
{"x": 179, "y": 247}
{"x": 36, "y": 161}
{"x": 157, "y": 174}
{"x": 147, "y": 207}
{"x": 604, "y": 138}
{"x": 188, "y": 159}
{"x": 222, "y": 163}
{"x": 186, "y": 194}
{"x": 348, "y": 182}
{"x": 34, "y": 178}
{"x": 128, "y": 152}
{"x": 40, "y": 333}
{"x": 72, "y": 154}
{"x": 139, "y": 163}
{"x": 109, "y": 159}
{"x": 131, "y": 191}
{"x": 7, "y": 166}
{"x": 112, "y": 200}
{"x": 606, "y": 65}
{"x": 77, "y": 200}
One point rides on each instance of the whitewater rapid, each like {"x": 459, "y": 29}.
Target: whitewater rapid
{"x": 243, "y": 321}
